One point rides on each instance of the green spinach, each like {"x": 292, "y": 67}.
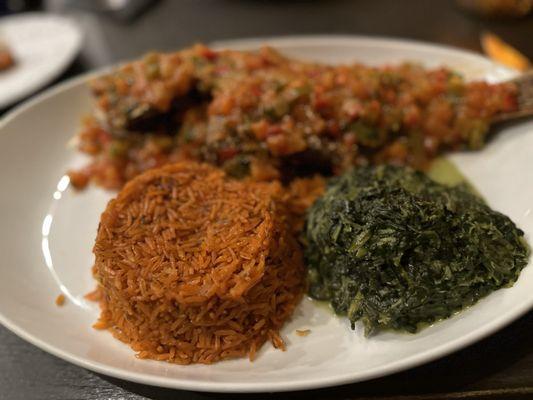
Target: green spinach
{"x": 392, "y": 248}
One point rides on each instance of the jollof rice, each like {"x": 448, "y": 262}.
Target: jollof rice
{"x": 194, "y": 267}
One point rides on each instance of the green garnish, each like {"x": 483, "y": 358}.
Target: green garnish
{"x": 396, "y": 250}
{"x": 118, "y": 148}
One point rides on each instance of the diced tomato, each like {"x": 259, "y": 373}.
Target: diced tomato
{"x": 227, "y": 153}
{"x": 389, "y": 96}
{"x": 333, "y": 128}
{"x": 320, "y": 100}
{"x": 441, "y": 75}
{"x": 222, "y": 69}
{"x": 103, "y": 136}
{"x": 222, "y": 105}
{"x": 372, "y": 111}
{"x": 260, "y": 129}
{"x": 104, "y": 103}
{"x": 273, "y": 130}
{"x": 397, "y": 151}
{"x": 121, "y": 86}
{"x": 255, "y": 90}
{"x": 208, "y": 53}
{"x": 412, "y": 116}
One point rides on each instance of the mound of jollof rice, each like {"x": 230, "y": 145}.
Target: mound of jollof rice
{"x": 193, "y": 267}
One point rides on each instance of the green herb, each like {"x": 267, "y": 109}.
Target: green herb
{"x": 189, "y": 134}
{"x": 118, "y": 148}
{"x": 277, "y": 109}
{"x": 151, "y": 61}
{"x": 396, "y": 250}
{"x": 368, "y": 135}
{"x": 238, "y": 167}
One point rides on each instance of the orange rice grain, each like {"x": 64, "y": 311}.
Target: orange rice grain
{"x": 193, "y": 267}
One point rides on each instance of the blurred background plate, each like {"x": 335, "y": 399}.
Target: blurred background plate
{"x": 43, "y": 45}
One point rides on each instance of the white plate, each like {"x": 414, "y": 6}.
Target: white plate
{"x": 47, "y": 232}
{"x": 43, "y": 45}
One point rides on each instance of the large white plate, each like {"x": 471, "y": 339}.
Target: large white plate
{"x": 47, "y": 232}
{"x": 43, "y": 46}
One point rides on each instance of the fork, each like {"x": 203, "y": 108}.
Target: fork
{"x": 524, "y": 84}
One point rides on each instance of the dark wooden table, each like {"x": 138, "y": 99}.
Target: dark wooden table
{"x": 498, "y": 367}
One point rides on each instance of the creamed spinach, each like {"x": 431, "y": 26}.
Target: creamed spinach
{"x": 392, "y": 248}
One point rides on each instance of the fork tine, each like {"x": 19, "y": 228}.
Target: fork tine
{"x": 524, "y": 83}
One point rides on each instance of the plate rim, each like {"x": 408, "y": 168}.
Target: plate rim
{"x": 246, "y": 387}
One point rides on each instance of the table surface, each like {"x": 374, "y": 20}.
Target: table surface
{"x": 500, "y": 366}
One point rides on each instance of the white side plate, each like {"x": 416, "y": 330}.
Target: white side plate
{"x": 43, "y": 45}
